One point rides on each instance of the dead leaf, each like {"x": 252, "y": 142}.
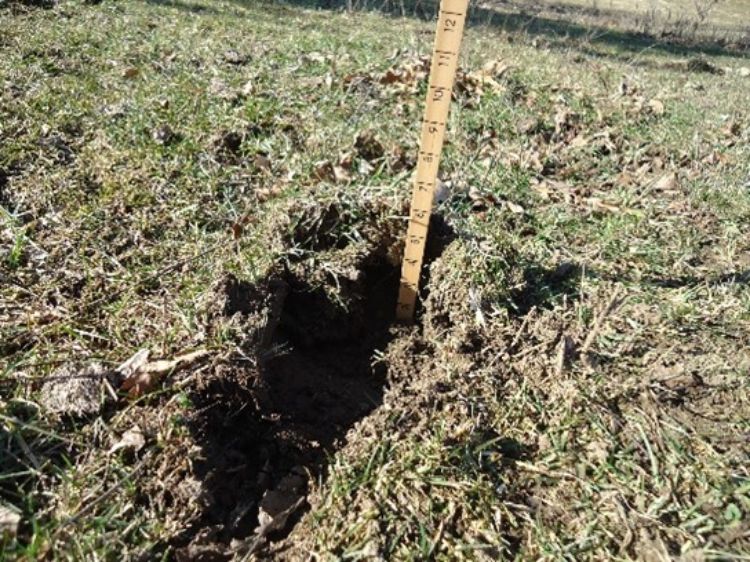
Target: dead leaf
{"x": 562, "y": 119}
{"x": 238, "y": 228}
{"x": 262, "y": 162}
{"x": 553, "y": 188}
{"x": 264, "y": 194}
{"x": 150, "y": 374}
{"x": 715, "y": 158}
{"x": 130, "y": 73}
{"x": 134, "y": 363}
{"x": 624, "y": 179}
{"x": 515, "y": 208}
{"x": 400, "y": 159}
{"x": 599, "y": 205}
{"x": 248, "y": 88}
{"x": 228, "y": 142}
{"x": 312, "y": 57}
{"x": 275, "y": 509}
{"x": 731, "y": 129}
{"x": 221, "y": 89}
{"x": 744, "y": 72}
{"x": 668, "y": 182}
{"x": 365, "y": 168}
{"x": 481, "y": 201}
{"x": 201, "y": 552}
{"x": 277, "y": 505}
{"x": 390, "y": 77}
{"x": 597, "y": 451}
{"x": 650, "y": 549}
{"x": 234, "y": 57}
{"x": 132, "y": 440}
{"x": 323, "y": 171}
{"x": 527, "y": 126}
{"x": 164, "y": 135}
{"x": 699, "y": 64}
{"x": 368, "y": 146}
{"x": 340, "y": 175}
{"x": 656, "y": 106}
{"x": 579, "y": 141}
{"x": 346, "y": 161}
{"x": 496, "y": 68}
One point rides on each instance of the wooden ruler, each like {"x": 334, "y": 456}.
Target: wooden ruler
{"x": 450, "y": 29}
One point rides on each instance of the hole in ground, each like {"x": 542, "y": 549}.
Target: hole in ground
{"x": 264, "y": 431}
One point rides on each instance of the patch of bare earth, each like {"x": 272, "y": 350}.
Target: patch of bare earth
{"x": 233, "y": 473}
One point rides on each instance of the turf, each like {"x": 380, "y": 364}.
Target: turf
{"x": 576, "y": 386}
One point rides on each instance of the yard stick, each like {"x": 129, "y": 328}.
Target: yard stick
{"x": 450, "y": 29}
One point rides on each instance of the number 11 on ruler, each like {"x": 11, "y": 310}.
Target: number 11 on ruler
{"x": 450, "y": 28}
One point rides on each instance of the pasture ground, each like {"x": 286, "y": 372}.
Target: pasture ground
{"x": 225, "y": 185}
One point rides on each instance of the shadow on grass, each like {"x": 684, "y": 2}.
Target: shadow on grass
{"x": 543, "y": 288}
{"x": 563, "y": 33}
{"x": 693, "y": 281}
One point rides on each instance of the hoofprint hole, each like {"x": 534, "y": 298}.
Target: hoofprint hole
{"x": 265, "y": 431}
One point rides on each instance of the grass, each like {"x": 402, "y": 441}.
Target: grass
{"x": 578, "y": 386}
{"x": 725, "y": 13}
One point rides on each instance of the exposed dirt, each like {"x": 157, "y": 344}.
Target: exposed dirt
{"x": 264, "y": 426}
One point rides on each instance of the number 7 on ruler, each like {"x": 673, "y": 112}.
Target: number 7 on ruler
{"x": 450, "y": 29}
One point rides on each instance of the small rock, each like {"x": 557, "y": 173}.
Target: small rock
{"x": 74, "y": 390}
{"x": 9, "y": 521}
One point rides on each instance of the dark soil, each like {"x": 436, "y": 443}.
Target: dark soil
{"x": 264, "y": 431}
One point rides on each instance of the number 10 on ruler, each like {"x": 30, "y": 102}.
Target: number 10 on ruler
{"x": 450, "y": 28}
